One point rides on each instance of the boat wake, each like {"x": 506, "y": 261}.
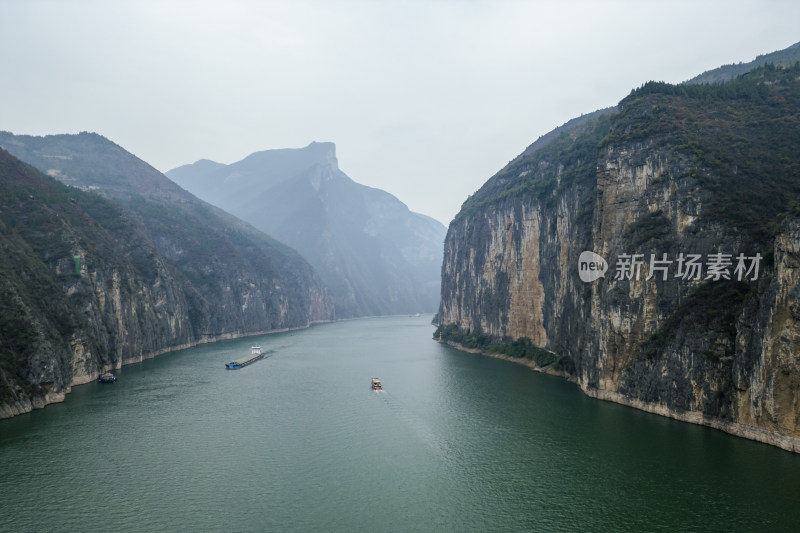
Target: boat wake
{"x": 413, "y": 421}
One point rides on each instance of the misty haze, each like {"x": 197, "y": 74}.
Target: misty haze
{"x": 391, "y": 266}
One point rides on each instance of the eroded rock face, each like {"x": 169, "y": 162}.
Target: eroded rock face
{"x": 772, "y": 399}
{"x": 723, "y": 353}
{"x": 89, "y": 283}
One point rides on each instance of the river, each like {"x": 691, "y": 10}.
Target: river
{"x": 299, "y": 442}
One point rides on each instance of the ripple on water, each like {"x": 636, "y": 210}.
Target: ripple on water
{"x": 298, "y": 441}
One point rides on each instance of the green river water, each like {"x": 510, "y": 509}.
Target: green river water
{"x": 299, "y": 442}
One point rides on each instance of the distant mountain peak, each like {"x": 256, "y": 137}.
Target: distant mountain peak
{"x": 326, "y": 151}
{"x": 324, "y": 145}
{"x": 375, "y": 256}
{"x": 208, "y": 162}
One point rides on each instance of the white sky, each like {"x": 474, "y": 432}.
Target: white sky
{"x": 425, "y": 99}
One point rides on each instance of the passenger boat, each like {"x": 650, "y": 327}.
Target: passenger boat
{"x": 255, "y": 355}
{"x": 107, "y": 377}
{"x": 376, "y": 384}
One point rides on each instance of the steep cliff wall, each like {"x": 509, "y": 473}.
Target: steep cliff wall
{"x": 673, "y": 173}
{"x": 89, "y": 282}
{"x": 75, "y": 299}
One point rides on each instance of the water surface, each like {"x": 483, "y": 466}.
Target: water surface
{"x": 299, "y": 442}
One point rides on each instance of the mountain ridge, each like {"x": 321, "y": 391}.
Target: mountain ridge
{"x": 375, "y": 255}
{"x": 786, "y": 57}
{"x": 134, "y": 265}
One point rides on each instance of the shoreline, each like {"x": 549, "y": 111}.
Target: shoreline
{"x": 18, "y": 408}
{"x": 754, "y": 433}
{"x": 41, "y": 401}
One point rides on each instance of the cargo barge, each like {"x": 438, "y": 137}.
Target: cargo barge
{"x": 255, "y": 355}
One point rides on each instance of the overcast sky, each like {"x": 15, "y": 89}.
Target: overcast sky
{"x": 424, "y": 99}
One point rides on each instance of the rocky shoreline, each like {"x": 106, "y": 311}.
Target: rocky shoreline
{"x": 17, "y": 408}
{"x": 765, "y": 436}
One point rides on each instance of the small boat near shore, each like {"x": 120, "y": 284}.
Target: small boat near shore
{"x": 255, "y": 355}
{"x": 376, "y": 384}
{"x": 107, "y": 377}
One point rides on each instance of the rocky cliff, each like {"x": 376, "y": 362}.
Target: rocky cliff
{"x": 375, "y": 256}
{"x": 689, "y": 196}
{"x": 131, "y": 267}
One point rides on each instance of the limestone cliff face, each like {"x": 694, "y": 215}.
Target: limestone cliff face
{"x": 720, "y": 352}
{"x": 74, "y": 299}
{"x": 506, "y": 261}
{"x": 88, "y": 282}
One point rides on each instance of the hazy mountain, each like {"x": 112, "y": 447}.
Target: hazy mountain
{"x": 375, "y": 256}
{"x": 786, "y": 57}
{"x": 128, "y": 267}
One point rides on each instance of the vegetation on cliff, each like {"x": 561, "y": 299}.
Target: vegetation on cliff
{"x": 43, "y": 224}
{"x": 239, "y": 278}
{"x": 521, "y": 348}
{"x": 786, "y": 57}
{"x": 122, "y": 265}
{"x": 544, "y": 171}
{"x": 740, "y": 136}
{"x": 727, "y": 128}
{"x": 673, "y": 169}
